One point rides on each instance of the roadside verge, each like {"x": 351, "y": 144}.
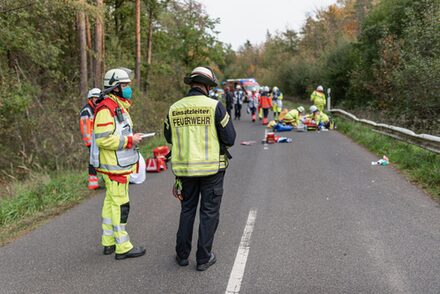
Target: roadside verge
{"x": 420, "y": 166}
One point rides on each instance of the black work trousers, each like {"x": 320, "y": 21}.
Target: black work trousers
{"x": 237, "y": 111}
{"x": 92, "y": 170}
{"x": 210, "y": 188}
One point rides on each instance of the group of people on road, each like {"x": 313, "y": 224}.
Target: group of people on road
{"x": 259, "y": 102}
{"x": 234, "y": 100}
{"x": 298, "y": 116}
{"x": 200, "y": 131}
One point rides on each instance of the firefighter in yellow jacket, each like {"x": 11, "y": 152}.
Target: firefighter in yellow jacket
{"x": 318, "y": 98}
{"x": 114, "y": 155}
{"x": 87, "y": 115}
{"x": 277, "y": 102}
{"x": 293, "y": 117}
{"x": 319, "y": 117}
{"x": 200, "y": 130}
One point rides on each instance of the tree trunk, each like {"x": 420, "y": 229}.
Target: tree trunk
{"x": 138, "y": 44}
{"x": 150, "y": 46}
{"x": 83, "y": 55}
{"x": 98, "y": 45}
{"x": 89, "y": 50}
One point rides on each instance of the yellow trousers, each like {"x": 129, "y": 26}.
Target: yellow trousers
{"x": 115, "y": 212}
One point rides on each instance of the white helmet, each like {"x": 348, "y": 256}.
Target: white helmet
{"x": 116, "y": 76}
{"x": 275, "y": 89}
{"x": 320, "y": 88}
{"x": 266, "y": 88}
{"x": 300, "y": 109}
{"x": 203, "y": 75}
{"x": 313, "y": 108}
{"x": 238, "y": 87}
{"x": 95, "y": 92}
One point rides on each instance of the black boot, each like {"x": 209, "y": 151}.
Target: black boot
{"x": 134, "y": 252}
{"x": 182, "y": 261}
{"x": 109, "y": 249}
{"x": 205, "y": 266}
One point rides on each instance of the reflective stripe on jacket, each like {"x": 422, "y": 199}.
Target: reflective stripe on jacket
{"x": 196, "y": 148}
{"x": 112, "y": 149}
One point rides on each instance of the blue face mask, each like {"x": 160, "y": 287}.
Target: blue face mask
{"x": 127, "y": 93}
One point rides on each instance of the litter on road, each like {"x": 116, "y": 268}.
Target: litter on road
{"x": 271, "y": 139}
{"x": 248, "y": 143}
{"x": 384, "y": 161}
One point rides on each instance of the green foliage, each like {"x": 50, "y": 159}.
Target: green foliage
{"x": 338, "y": 65}
{"x": 381, "y": 56}
{"x": 39, "y": 72}
{"x": 41, "y": 194}
{"x": 421, "y": 166}
{"x": 399, "y": 61}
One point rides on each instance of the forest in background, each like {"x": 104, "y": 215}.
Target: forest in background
{"x": 381, "y": 58}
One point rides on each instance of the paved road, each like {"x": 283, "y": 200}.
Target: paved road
{"x": 326, "y": 221}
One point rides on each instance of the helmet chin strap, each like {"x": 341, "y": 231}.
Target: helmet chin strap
{"x": 207, "y": 89}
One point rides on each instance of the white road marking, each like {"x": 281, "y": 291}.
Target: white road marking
{"x": 266, "y": 146}
{"x": 237, "y": 272}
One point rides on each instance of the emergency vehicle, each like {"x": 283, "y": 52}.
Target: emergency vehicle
{"x": 248, "y": 85}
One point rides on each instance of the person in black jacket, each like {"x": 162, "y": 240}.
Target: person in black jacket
{"x": 196, "y": 120}
{"x": 229, "y": 97}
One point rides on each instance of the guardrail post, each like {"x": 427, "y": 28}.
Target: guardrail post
{"x": 329, "y": 99}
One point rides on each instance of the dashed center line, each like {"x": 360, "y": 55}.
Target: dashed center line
{"x": 237, "y": 272}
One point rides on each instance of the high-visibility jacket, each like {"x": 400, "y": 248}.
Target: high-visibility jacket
{"x": 86, "y": 122}
{"x": 292, "y": 117}
{"x": 265, "y": 101}
{"x": 321, "y": 118}
{"x": 253, "y": 100}
{"x": 318, "y": 99}
{"x": 277, "y": 96}
{"x": 112, "y": 150}
{"x": 196, "y": 149}
{"x": 277, "y": 101}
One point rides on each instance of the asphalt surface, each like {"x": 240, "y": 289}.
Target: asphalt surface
{"x": 327, "y": 222}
